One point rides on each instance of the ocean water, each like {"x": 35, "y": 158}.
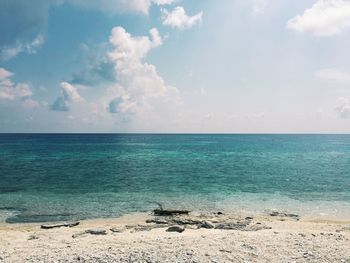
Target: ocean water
{"x": 51, "y": 177}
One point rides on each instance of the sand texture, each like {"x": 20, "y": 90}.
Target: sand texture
{"x": 207, "y": 237}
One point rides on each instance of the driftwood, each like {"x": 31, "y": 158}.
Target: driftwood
{"x": 169, "y": 212}
{"x": 49, "y": 226}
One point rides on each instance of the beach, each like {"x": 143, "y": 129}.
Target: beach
{"x": 253, "y": 198}
{"x": 208, "y": 237}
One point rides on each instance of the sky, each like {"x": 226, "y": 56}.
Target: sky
{"x": 175, "y": 66}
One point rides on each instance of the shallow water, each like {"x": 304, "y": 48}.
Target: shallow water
{"x": 53, "y": 177}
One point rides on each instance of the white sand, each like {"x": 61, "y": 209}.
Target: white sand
{"x": 287, "y": 241}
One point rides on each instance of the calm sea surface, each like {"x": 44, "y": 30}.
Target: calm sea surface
{"x": 64, "y": 177}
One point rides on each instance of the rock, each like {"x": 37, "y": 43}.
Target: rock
{"x": 180, "y": 221}
{"x": 96, "y": 231}
{"x": 157, "y": 221}
{"x": 206, "y": 224}
{"x": 279, "y": 214}
{"x": 90, "y": 231}
{"x": 232, "y": 226}
{"x": 170, "y": 212}
{"x": 178, "y": 229}
{"x": 50, "y": 226}
{"x": 220, "y": 213}
{"x": 117, "y": 229}
{"x": 249, "y": 218}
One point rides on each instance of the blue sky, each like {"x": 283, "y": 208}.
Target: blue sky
{"x": 230, "y": 66}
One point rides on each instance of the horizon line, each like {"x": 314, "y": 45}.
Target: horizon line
{"x": 172, "y": 133}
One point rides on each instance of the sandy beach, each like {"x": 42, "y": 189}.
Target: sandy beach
{"x": 209, "y": 237}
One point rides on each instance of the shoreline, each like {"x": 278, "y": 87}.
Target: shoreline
{"x": 138, "y": 217}
{"x": 209, "y": 237}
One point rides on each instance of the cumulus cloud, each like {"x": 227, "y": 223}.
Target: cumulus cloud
{"x": 179, "y": 19}
{"x": 342, "y": 107}
{"x": 96, "y": 67}
{"x": 333, "y": 75}
{"x": 20, "y": 92}
{"x": 23, "y": 27}
{"x": 324, "y": 19}
{"x": 138, "y": 82}
{"x": 69, "y": 95}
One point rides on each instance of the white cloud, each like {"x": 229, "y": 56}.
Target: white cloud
{"x": 120, "y": 6}
{"x": 324, "y": 19}
{"x": 179, "y": 19}
{"x": 342, "y": 107}
{"x": 333, "y": 75}
{"x": 69, "y": 95}
{"x": 12, "y": 91}
{"x": 138, "y": 82}
{"x": 4, "y": 74}
{"x": 30, "y": 48}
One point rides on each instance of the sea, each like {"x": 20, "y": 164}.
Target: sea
{"x": 55, "y": 177}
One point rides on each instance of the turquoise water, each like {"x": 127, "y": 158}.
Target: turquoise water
{"x": 51, "y": 177}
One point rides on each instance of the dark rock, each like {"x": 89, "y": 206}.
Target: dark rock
{"x": 170, "y": 212}
{"x": 50, "y": 226}
{"x": 178, "y": 229}
{"x": 96, "y": 231}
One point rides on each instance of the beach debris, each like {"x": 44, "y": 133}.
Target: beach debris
{"x": 50, "y": 226}
{"x": 178, "y": 229}
{"x": 170, "y": 212}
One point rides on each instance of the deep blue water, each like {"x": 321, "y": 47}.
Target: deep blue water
{"x": 47, "y": 177}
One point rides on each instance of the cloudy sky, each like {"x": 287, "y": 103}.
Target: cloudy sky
{"x": 230, "y": 66}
